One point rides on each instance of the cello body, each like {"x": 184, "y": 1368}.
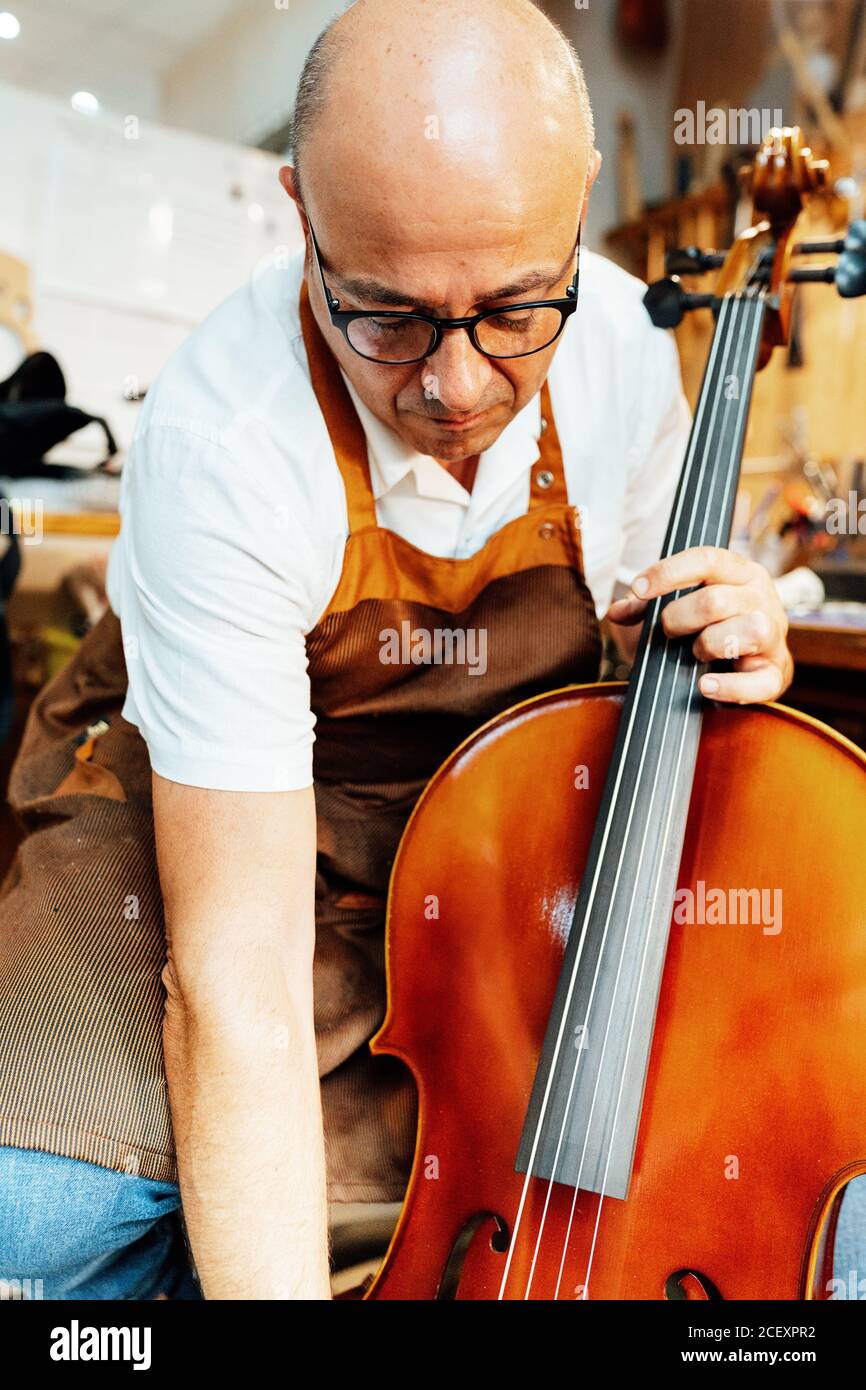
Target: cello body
{"x": 754, "y": 1110}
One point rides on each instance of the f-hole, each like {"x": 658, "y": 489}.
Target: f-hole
{"x": 687, "y": 1284}
{"x": 499, "y": 1242}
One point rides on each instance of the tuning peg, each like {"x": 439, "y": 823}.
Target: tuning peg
{"x": 691, "y": 260}
{"x": 825, "y": 275}
{"x": 819, "y": 248}
{"x": 851, "y": 265}
{"x": 666, "y": 302}
{"x": 849, "y": 273}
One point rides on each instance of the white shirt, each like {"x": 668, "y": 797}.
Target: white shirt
{"x": 234, "y": 512}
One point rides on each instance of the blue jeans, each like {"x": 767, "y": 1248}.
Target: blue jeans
{"x": 86, "y": 1232}
{"x": 72, "y": 1230}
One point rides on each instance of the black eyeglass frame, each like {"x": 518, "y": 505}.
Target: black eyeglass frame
{"x": 343, "y": 318}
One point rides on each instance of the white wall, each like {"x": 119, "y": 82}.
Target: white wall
{"x": 130, "y": 241}
{"x": 239, "y": 83}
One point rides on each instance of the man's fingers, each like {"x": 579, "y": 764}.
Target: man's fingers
{"x": 703, "y": 564}
{"x": 627, "y": 611}
{"x": 702, "y": 608}
{"x": 730, "y": 608}
{"x": 753, "y": 686}
{"x": 717, "y": 611}
{"x": 748, "y": 634}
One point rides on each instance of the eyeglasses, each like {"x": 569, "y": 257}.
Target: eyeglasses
{"x": 395, "y": 338}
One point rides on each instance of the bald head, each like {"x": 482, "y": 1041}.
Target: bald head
{"x": 450, "y": 60}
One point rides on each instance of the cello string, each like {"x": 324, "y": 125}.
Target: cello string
{"x": 724, "y": 315}
{"x": 693, "y": 675}
{"x": 712, "y": 445}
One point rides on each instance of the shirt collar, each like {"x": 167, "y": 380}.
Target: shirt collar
{"x": 393, "y": 462}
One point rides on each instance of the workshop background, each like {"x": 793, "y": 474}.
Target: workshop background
{"x": 140, "y": 148}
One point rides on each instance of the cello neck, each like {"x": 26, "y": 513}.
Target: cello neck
{"x": 583, "y": 1116}
{"x": 703, "y": 506}
{"x": 712, "y": 464}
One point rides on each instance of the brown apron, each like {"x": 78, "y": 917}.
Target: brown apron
{"x": 81, "y": 928}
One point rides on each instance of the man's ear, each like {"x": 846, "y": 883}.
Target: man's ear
{"x": 287, "y": 179}
{"x": 591, "y": 176}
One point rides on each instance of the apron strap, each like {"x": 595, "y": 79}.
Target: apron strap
{"x": 547, "y": 481}
{"x": 341, "y": 418}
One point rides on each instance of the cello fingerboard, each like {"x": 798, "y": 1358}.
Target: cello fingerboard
{"x": 583, "y": 1116}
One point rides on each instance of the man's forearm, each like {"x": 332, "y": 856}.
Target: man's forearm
{"x": 244, "y": 1093}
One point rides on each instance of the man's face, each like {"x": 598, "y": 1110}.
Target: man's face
{"x": 446, "y": 167}
{"x": 455, "y": 403}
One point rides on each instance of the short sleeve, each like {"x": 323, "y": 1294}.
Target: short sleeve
{"x": 655, "y": 457}
{"x": 215, "y": 586}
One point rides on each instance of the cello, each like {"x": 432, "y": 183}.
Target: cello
{"x": 636, "y": 1012}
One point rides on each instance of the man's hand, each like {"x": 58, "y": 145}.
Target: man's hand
{"x": 737, "y": 615}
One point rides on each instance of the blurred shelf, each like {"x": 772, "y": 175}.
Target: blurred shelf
{"x": 81, "y": 523}
{"x": 827, "y": 646}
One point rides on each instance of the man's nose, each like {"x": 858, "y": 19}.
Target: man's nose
{"x": 460, "y": 373}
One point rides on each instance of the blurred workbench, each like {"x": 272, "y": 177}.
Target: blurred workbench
{"x": 829, "y": 651}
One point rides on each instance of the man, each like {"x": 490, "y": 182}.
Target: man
{"x": 301, "y": 486}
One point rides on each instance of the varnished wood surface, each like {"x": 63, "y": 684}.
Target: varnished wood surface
{"x": 757, "y": 1063}
{"x": 820, "y": 644}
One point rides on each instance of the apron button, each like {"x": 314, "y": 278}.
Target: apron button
{"x": 544, "y": 478}
{"x": 543, "y": 424}
{"x": 547, "y": 531}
